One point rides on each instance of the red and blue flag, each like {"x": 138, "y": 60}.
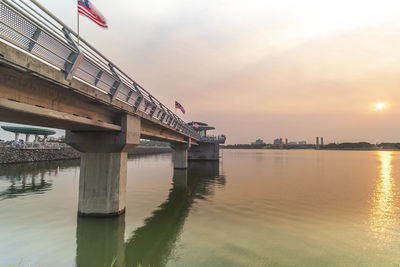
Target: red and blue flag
{"x": 179, "y": 106}
{"x": 86, "y": 8}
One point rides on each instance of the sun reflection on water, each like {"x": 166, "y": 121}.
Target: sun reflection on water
{"x": 383, "y": 212}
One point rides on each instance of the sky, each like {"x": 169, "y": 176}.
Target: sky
{"x": 259, "y": 68}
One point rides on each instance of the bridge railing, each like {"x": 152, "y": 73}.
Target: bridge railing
{"x": 213, "y": 139}
{"x": 32, "y": 28}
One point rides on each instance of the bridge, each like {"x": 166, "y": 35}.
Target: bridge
{"x": 51, "y": 77}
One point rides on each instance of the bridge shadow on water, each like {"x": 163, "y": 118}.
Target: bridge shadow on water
{"x": 100, "y": 241}
{"x": 31, "y": 178}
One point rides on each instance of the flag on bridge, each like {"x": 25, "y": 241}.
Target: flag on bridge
{"x": 179, "y": 106}
{"x": 86, "y": 8}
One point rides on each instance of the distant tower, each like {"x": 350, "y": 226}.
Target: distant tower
{"x": 317, "y": 141}
{"x": 322, "y": 141}
{"x": 286, "y": 141}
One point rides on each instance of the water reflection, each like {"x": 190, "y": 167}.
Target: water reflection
{"x": 101, "y": 241}
{"x": 383, "y": 212}
{"x": 29, "y": 178}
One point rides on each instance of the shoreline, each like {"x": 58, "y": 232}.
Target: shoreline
{"x": 325, "y": 149}
{"x": 9, "y": 155}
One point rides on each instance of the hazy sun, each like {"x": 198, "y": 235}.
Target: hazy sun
{"x": 380, "y": 106}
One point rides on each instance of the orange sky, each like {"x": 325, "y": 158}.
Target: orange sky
{"x": 295, "y": 69}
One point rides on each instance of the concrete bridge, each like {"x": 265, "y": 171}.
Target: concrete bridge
{"x": 51, "y": 77}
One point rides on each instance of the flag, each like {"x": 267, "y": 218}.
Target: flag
{"x": 179, "y": 106}
{"x": 86, "y": 8}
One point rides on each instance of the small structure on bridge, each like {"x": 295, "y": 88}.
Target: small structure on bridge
{"x": 28, "y": 131}
{"x": 208, "y": 148}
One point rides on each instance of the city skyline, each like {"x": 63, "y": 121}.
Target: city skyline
{"x": 260, "y": 68}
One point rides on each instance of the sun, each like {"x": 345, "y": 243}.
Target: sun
{"x": 380, "y": 106}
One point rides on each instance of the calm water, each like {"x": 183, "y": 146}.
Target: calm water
{"x": 257, "y": 208}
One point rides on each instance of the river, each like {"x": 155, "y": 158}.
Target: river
{"x": 255, "y": 208}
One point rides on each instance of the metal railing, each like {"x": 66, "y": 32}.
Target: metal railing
{"x": 32, "y": 28}
{"x": 213, "y": 139}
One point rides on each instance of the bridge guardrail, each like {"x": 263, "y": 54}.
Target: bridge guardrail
{"x": 213, "y": 139}
{"x": 36, "y": 31}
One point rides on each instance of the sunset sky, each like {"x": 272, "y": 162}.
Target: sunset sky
{"x": 255, "y": 68}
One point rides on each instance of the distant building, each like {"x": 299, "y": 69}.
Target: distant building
{"x": 28, "y": 131}
{"x": 258, "y": 142}
{"x": 302, "y": 143}
{"x": 317, "y": 141}
{"x": 278, "y": 141}
{"x": 286, "y": 141}
{"x": 322, "y": 141}
{"x": 293, "y": 143}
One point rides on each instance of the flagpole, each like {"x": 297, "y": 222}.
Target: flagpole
{"x": 78, "y": 22}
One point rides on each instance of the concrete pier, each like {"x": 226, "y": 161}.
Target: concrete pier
{"x": 180, "y": 155}
{"x": 102, "y": 180}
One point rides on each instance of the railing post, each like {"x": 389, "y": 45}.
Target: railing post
{"x": 162, "y": 117}
{"x": 154, "y": 106}
{"x": 153, "y": 109}
{"x": 139, "y": 99}
{"x": 137, "y": 103}
{"x": 116, "y": 86}
{"x": 146, "y": 105}
{"x": 98, "y": 77}
{"x": 75, "y": 58}
{"x": 35, "y": 37}
{"x": 129, "y": 96}
{"x": 164, "y": 113}
{"x": 176, "y": 121}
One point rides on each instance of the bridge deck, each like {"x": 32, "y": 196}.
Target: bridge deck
{"x": 47, "y": 80}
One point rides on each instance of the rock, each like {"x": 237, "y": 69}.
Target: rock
{"x": 10, "y": 155}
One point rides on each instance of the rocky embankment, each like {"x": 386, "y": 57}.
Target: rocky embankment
{"x": 9, "y": 155}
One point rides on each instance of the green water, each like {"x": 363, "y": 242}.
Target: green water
{"x": 256, "y": 208}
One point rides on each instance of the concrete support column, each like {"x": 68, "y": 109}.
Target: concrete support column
{"x": 36, "y": 138}
{"x": 102, "y": 184}
{"x": 205, "y": 151}
{"x": 180, "y": 155}
{"x": 27, "y": 138}
{"x": 16, "y": 137}
{"x": 102, "y": 180}
{"x": 45, "y": 139}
